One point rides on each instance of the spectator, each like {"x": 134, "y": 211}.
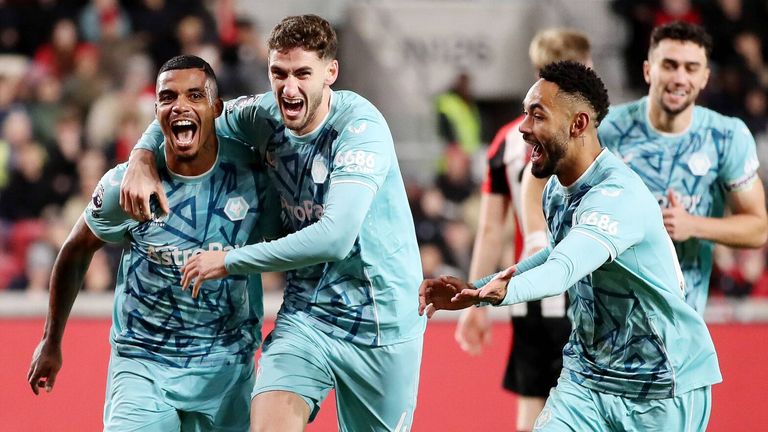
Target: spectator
{"x": 102, "y": 19}
{"x": 28, "y": 192}
{"x": 136, "y": 93}
{"x": 57, "y": 57}
{"x": 458, "y": 116}
{"x": 244, "y": 61}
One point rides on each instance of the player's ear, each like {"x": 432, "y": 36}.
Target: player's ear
{"x": 218, "y": 107}
{"x": 647, "y": 72}
{"x": 579, "y": 124}
{"x": 331, "y": 72}
{"x": 704, "y": 82}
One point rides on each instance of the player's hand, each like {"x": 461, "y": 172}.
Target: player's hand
{"x": 494, "y": 291}
{"x": 473, "y": 331}
{"x": 439, "y": 293}
{"x": 202, "y": 267}
{"x": 678, "y": 222}
{"x": 140, "y": 182}
{"x": 46, "y": 363}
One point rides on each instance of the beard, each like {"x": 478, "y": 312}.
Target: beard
{"x": 312, "y": 103}
{"x": 186, "y": 157}
{"x": 675, "y": 111}
{"x": 554, "y": 152}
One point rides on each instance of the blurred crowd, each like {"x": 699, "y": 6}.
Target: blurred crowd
{"x": 77, "y": 90}
{"x": 77, "y": 83}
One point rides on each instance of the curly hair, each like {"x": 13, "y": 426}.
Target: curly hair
{"x": 579, "y": 82}
{"x": 309, "y": 32}
{"x": 684, "y": 32}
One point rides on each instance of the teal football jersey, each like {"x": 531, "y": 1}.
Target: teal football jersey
{"x": 715, "y": 155}
{"x": 633, "y": 334}
{"x": 224, "y": 208}
{"x": 371, "y": 296}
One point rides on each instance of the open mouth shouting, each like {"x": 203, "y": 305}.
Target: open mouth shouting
{"x": 293, "y": 108}
{"x": 184, "y": 131}
{"x": 537, "y": 151}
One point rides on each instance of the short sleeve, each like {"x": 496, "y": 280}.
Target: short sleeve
{"x": 363, "y": 153}
{"x": 739, "y": 156}
{"x": 609, "y": 215}
{"x": 103, "y": 215}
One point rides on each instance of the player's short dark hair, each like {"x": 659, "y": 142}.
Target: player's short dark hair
{"x": 580, "y": 82}
{"x": 191, "y": 62}
{"x": 309, "y": 32}
{"x": 684, "y": 32}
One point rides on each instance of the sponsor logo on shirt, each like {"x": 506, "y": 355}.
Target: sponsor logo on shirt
{"x": 356, "y": 161}
{"x": 601, "y": 221}
{"x": 173, "y": 256}
{"x": 689, "y": 202}
{"x": 612, "y": 193}
{"x": 243, "y": 102}
{"x": 307, "y": 211}
{"x": 360, "y": 128}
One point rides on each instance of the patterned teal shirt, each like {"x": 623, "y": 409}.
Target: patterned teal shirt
{"x": 369, "y": 296}
{"x": 714, "y": 156}
{"x": 633, "y": 334}
{"x": 223, "y": 209}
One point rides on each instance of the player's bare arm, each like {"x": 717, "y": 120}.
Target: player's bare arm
{"x": 66, "y": 280}
{"x": 140, "y": 182}
{"x": 745, "y": 226}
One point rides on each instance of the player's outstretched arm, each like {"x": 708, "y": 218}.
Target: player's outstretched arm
{"x": 66, "y": 280}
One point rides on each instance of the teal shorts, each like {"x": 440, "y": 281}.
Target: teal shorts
{"x": 146, "y": 396}
{"x": 572, "y": 407}
{"x": 375, "y": 386}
